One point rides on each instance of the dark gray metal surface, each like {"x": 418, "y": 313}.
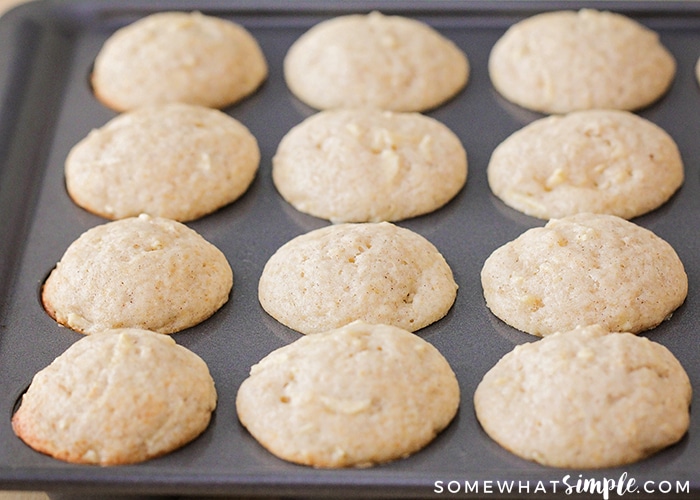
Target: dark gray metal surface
{"x": 46, "y": 51}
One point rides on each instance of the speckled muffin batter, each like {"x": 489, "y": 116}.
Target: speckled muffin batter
{"x": 582, "y": 270}
{"x": 368, "y": 165}
{"x": 178, "y": 57}
{"x": 140, "y": 272}
{"x": 117, "y": 397}
{"x": 563, "y": 61}
{"x": 372, "y": 60}
{"x": 177, "y": 161}
{"x": 601, "y": 161}
{"x": 585, "y": 399}
{"x": 375, "y": 272}
{"x": 352, "y": 397}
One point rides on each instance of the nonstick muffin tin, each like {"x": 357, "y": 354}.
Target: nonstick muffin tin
{"x": 46, "y": 106}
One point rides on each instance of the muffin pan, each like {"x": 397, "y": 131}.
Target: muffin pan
{"x": 46, "y": 106}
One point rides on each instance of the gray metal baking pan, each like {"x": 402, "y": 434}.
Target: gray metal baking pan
{"x": 46, "y": 106}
